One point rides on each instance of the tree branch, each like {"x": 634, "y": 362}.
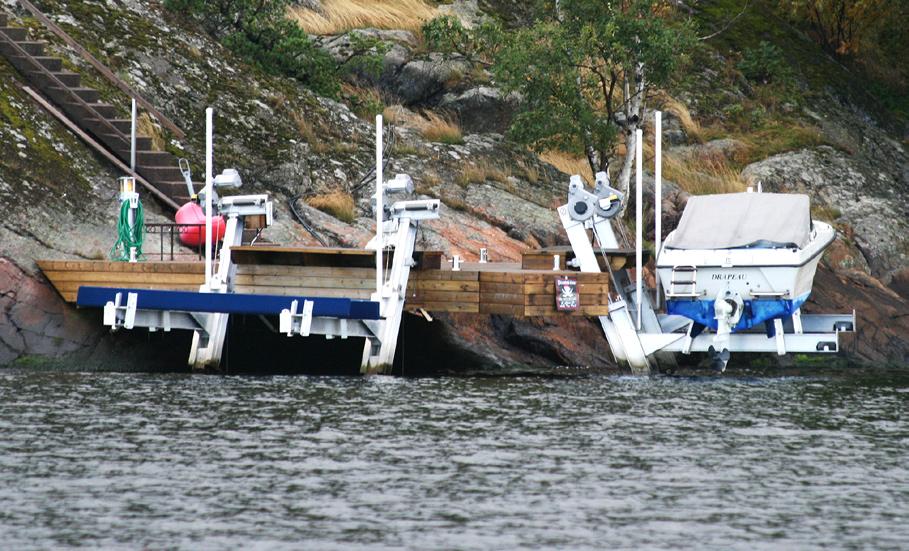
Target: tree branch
{"x": 728, "y": 23}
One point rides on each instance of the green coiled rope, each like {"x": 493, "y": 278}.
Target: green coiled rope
{"x": 128, "y": 238}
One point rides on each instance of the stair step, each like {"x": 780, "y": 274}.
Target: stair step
{"x": 160, "y": 173}
{"x": 31, "y": 48}
{"x": 35, "y": 48}
{"x": 16, "y": 33}
{"x": 69, "y": 79}
{"x": 143, "y": 143}
{"x": 172, "y": 188}
{"x": 88, "y": 94}
{"x": 154, "y": 158}
{"x": 115, "y": 143}
{"x": 106, "y": 110}
{"x": 53, "y": 64}
{"x": 123, "y": 125}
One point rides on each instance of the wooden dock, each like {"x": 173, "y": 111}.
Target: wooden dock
{"x": 517, "y": 289}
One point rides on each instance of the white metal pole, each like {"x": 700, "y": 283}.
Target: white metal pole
{"x": 132, "y": 139}
{"x": 379, "y": 208}
{"x": 657, "y": 196}
{"x": 638, "y": 221}
{"x": 209, "y": 185}
{"x": 131, "y": 214}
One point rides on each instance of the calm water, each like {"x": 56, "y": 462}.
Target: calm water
{"x": 751, "y": 461}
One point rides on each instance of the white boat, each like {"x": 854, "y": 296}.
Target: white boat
{"x": 739, "y": 260}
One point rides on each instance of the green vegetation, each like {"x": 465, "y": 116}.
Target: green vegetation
{"x": 260, "y": 31}
{"x": 869, "y": 36}
{"x": 765, "y": 64}
{"x": 583, "y": 68}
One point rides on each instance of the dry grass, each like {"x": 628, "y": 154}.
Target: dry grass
{"x": 531, "y": 173}
{"x": 681, "y": 112}
{"x": 366, "y": 103}
{"x": 568, "y": 164}
{"x": 395, "y": 114}
{"x": 432, "y": 179}
{"x": 483, "y": 172}
{"x": 338, "y": 204}
{"x": 703, "y": 175}
{"x": 697, "y": 175}
{"x": 308, "y": 133}
{"x": 145, "y": 126}
{"x": 441, "y": 129}
{"x": 340, "y": 16}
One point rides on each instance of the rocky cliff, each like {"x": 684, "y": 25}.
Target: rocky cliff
{"x": 59, "y": 198}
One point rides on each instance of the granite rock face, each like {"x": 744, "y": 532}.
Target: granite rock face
{"x": 870, "y": 199}
{"x": 481, "y": 109}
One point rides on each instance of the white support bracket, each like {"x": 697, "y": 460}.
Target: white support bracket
{"x": 780, "y": 337}
{"x": 291, "y": 322}
{"x": 117, "y": 315}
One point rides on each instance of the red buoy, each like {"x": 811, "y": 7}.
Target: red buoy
{"x": 194, "y": 236}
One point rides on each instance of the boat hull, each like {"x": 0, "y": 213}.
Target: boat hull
{"x": 771, "y": 283}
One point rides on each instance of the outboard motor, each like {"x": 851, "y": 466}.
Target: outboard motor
{"x": 728, "y": 308}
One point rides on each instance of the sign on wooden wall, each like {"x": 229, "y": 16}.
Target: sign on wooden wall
{"x": 566, "y": 290}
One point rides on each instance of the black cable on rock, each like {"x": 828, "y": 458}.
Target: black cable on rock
{"x": 302, "y": 220}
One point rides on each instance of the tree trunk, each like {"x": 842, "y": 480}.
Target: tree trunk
{"x": 634, "y": 107}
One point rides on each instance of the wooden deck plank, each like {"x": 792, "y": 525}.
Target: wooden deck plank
{"x": 443, "y": 296}
{"x": 362, "y": 294}
{"x": 294, "y": 281}
{"x": 501, "y": 309}
{"x": 307, "y": 271}
{"x": 444, "y": 275}
{"x": 132, "y": 277}
{"x": 473, "y": 286}
{"x": 515, "y": 299}
{"x": 513, "y": 288}
{"x": 472, "y": 308}
{"x": 124, "y": 267}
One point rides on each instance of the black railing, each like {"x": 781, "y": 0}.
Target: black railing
{"x": 169, "y": 234}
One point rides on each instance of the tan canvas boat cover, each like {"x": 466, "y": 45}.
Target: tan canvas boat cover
{"x": 734, "y": 220}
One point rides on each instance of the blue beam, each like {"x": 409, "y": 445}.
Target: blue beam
{"x": 229, "y": 303}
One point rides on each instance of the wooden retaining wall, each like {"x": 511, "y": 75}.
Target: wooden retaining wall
{"x": 68, "y": 275}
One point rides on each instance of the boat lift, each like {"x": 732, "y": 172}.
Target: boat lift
{"x": 206, "y": 312}
{"x": 641, "y": 337}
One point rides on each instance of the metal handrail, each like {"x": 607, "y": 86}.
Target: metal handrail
{"x": 107, "y": 73}
{"x": 173, "y": 229}
{"x": 79, "y": 101}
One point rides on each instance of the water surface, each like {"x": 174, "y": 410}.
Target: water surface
{"x": 755, "y": 460}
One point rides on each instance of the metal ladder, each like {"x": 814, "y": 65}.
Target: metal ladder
{"x": 685, "y": 277}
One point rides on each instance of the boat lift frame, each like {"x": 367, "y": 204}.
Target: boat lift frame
{"x": 646, "y": 340}
{"x": 206, "y": 312}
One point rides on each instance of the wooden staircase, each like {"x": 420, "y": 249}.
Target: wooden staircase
{"x": 82, "y": 105}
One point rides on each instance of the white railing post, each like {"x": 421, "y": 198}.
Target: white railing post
{"x": 657, "y": 197}
{"x": 638, "y": 222}
{"x": 379, "y": 209}
{"x": 132, "y": 138}
{"x": 209, "y": 185}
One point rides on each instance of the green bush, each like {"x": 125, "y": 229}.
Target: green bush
{"x": 259, "y": 31}
{"x": 765, "y": 64}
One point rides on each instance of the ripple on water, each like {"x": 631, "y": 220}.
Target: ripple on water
{"x": 757, "y": 461}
